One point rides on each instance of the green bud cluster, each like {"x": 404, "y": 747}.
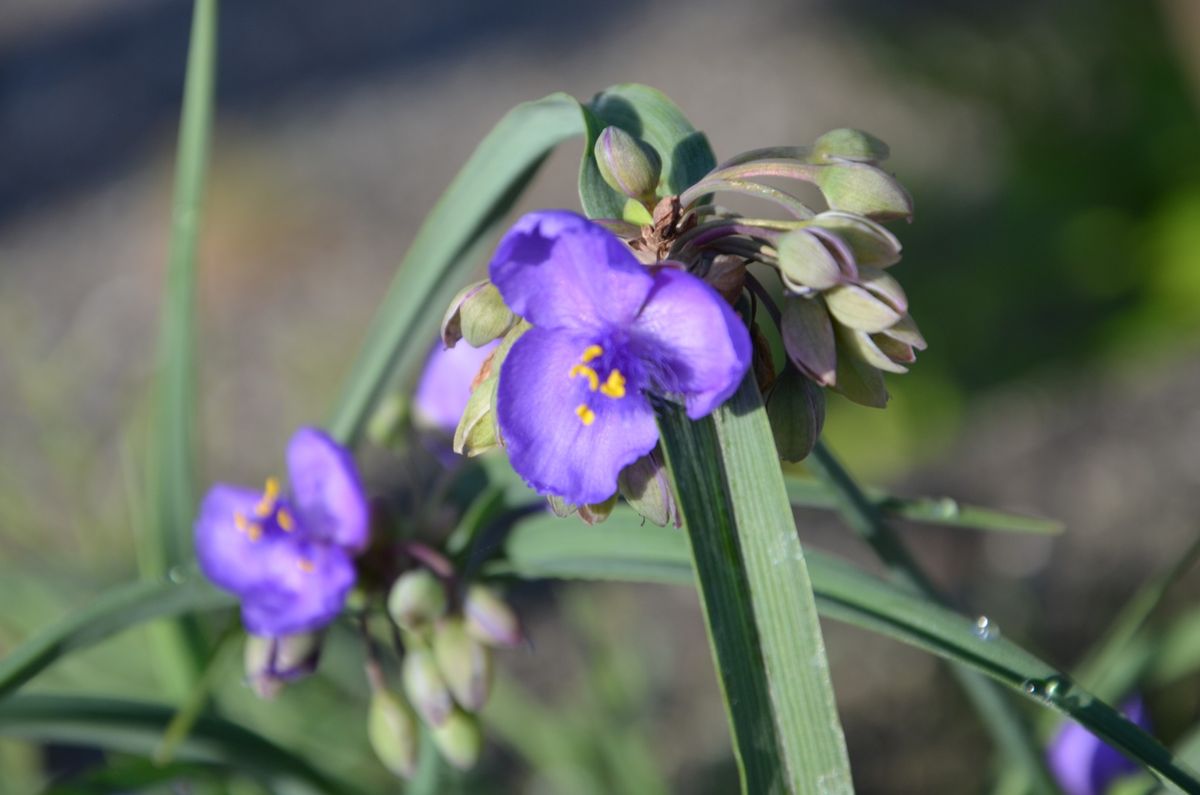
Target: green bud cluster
{"x": 446, "y": 672}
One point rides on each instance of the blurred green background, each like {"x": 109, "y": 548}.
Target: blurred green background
{"x": 1053, "y": 151}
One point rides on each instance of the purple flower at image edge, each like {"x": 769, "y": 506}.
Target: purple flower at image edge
{"x": 445, "y": 386}
{"x": 607, "y": 331}
{"x": 1083, "y": 764}
{"x": 288, "y": 556}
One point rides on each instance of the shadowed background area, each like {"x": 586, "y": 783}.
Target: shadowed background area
{"x": 1053, "y": 152}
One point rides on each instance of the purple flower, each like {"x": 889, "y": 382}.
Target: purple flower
{"x": 445, "y": 385}
{"x": 607, "y": 331}
{"x": 288, "y": 556}
{"x": 1083, "y": 764}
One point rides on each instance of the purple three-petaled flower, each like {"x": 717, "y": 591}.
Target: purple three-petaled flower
{"x": 607, "y": 331}
{"x": 1083, "y": 764}
{"x": 288, "y": 557}
{"x": 445, "y": 385}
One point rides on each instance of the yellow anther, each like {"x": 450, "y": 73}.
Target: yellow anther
{"x": 592, "y": 377}
{"x": 614, "y": 387}
{"x": 585, "y": 414}
{"x": 267, "y": 504}
{"x": 285, "y": 521}
{"x": 306, "y": 565}
{"x": 591, "y": 352}
{"x": 254, "y": 531}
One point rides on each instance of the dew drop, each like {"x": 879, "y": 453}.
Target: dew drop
{"x": 177, "y": 575}
{"x": 986, "y": 629}
{"x": 946, "y": 508}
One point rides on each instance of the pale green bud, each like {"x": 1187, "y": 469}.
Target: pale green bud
{"x": 863, "y": 189}
{"x": 490, "y": 619}
{"x": 849, "y": 144}
{"x": 393, "y": 732}
{"x": 856, "y": 379}
{"x": 646, "y": 487}
{"x": 477, "y": 314}
{"x": 796, "y": 409}
{"x": 417, "y": 600}
{"x": 465, "y": 663}
{"x": 629, "y": 166}
{"x": 806, "y": 262}
{"x": 459, "y": 740}
{"x": 860, "y": 309}
{"x": 425, "y": 687}
{"x": 869, "y": 243}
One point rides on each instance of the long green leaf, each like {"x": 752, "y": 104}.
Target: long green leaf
{"x": 757, "y": 599}
{"x": 550, "y": 547}
{"x": 172, "y": 453}
{"x": 441, "y": 256}
{"x": 135, "y": 727}
{"x": 111, "y": 613}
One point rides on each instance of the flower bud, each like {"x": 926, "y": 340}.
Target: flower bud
{"x": 860, "y": 309}
{"x": 807, "y": 333}
{"x": 805, "y": 261}
{"x": 560, "y": 507}
{"x": 848, "y": 144}
{"x": 417, "y": 600}
{"x": 645, "y": 486}
{"x": 393, "y": 732}
{"x": 270, "y": 663}
{"x": 598, "y": 512}
{"x": 465, "y": 663}
{"x": 477, "y": 314}
{"x": 629, "y": 166}
{"x": 425, "y": 687}
{"x": 870, "y": 243}
{"x": 856, "y": 379}
{"x": 863, "y": 189}
{"x": 459, "y": 740}
{"x": 489, "y": 618}
{"x": 796, "y": 410}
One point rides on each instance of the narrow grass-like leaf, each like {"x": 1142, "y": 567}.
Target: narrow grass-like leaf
{"x": 811, "y": 492}
{"x": 172, "y": 452}
{"x": 757, "y": 598}
{"x": 135, "y": 727}
{"x": 441, "y": 255}
{"x": 115, "y": 611}
{"x": 550, "y": 547}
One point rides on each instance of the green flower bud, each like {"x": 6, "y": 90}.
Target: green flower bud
{"x": 270, "y": 663}
{"x": 489, "y": 618}
{"x": 806, "y": 262}
{"x": 465, "y": 663}
{"x": 869, "y": 243}
{"x": 884, "y": 286}
{"x": 863, "y": 189}
{"x": 645, "y": 486}
{"x": 417, "y": 600}
{"x": 459, "y": 740}
{"x": 848, "y": 144}
{"x": 807, "y": 333}
{"x": 629, "y": 166}
{"x": 856, "y": 379}
{"x": 393, "y": 732}
{"x": 425, "y": 687}
{"x": 796, "y": 410}
{"x": 477, "y": 431}
{"x": 859, "y": 308}
{"x": 597, "y": 512}
{"x": 905, "y": 330}
{"x": 477, "y": 314}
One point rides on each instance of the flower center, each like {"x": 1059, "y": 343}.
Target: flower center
{"x": 613, "y": 385}
{"x": 268, "y": 512}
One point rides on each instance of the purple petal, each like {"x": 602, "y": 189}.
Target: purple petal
{"x": 326, "y": 491}
{"x": 559, "y": 270}
{"x": 1083, "y": 764}
{"x": 227, "y": 555}
{"x": 305, "y": 588}
{"x": 692, "y": 341}
{"x": 445, "y": 385}
{"x": 548, "y": 444}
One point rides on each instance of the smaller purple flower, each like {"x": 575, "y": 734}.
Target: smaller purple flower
{"x": 288, "y": 557}
{"x": 445, "y": 385}
{"x": 1083, "y": 764}
{"x": 607, "y": 332}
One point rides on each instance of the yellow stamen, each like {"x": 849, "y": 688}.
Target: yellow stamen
{"x": 285, "y": 521}
{"x": 240, "y": 522}
{"x": 585, "y": 414}
{"x": 584, "y": 370}
{"x": 614, "y": 387}
{"x": 267, "y": 504}
{"x": 306, "y": 565}
{"x": 254, "y": 531}
{"x": 591, "y": 352}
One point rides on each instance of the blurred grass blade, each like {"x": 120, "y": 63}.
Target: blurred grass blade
{"x": 441, "y": 258}
{"x": 811, "y": 492}
{"x": 172, "y": 451}
{"x": 135, "y": 727}
{"x": 113, "y": 612}
{"x": 546, "y": 546}
{"x": 757, "y": 599}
